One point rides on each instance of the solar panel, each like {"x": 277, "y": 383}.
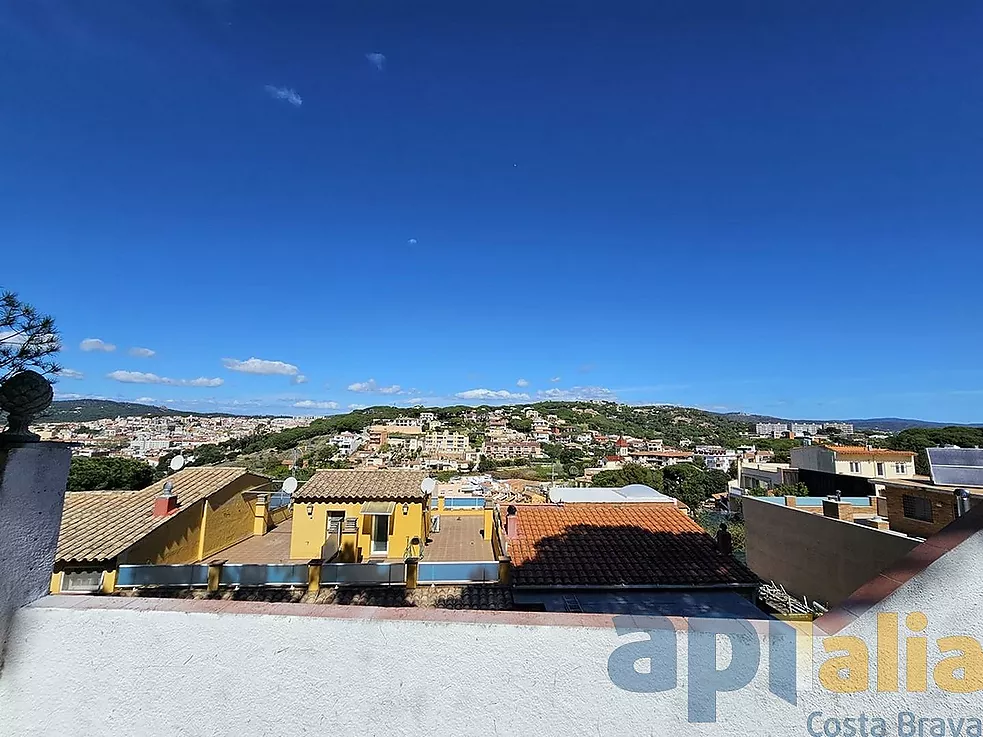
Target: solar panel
{"x": 956, "y": 466}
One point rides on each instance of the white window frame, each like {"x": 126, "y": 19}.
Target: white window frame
{"x": 66, "y": 589}
{"x": 879, "y": 468}
{"x": 373, "y": 551}
{"x": 855, "y": 466}
{"x": 901, "y": 468}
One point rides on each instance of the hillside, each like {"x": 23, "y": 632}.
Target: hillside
{"x": 87, "y": 410}
{"x": 887, "y": 424}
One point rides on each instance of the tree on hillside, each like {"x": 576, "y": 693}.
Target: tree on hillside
{"x": 692, "y": 485}
{"x": 95, "y": 474}
{"x": 917, "y": 439}
{"x": 28, "y": 339}
{"x": 631, "y": 473}
{"x": 520, "y": 424}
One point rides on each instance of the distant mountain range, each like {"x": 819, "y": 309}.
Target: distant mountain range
{"x": 888, "y": 424}
{"x": 88, "y": 410}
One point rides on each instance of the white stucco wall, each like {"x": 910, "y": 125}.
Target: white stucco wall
{"x": 32, "y": 494}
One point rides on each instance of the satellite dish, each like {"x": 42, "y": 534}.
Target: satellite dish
{"x": 177, "y": 462}
{"x": 428, "y": 485}
{"x": 289, "y": 485}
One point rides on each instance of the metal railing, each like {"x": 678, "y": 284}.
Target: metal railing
{"x": 363, "y": 574}
{"x": 162, "y": 575}
{"x": 459, "y": 502}
{"x": 244, "y": 574}
{"x": 457, "y": 572}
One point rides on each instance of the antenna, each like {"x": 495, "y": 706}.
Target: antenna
{"x": 289, "y": 485}
{"x": 177, "y": 462}
{"x": 428, "y": 485}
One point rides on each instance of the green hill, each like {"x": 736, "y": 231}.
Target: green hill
{"x": 87, "y": 410}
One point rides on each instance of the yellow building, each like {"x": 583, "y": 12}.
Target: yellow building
{"x": 360, "y": 516}
{"x": 201, "y": 512}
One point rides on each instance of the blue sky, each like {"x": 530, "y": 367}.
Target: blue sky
{"x": 772, "y": 207}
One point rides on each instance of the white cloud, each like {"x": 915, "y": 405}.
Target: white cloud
{"x": 522, "y": 382}
{"x": 95, "y": 344}
{"x": 139, "y": 377}
{"x": 412, "y": 241}
{"x": 356, "y": 406}
{"x": 555, "y": 379}
{"x": 142, "y": 352}
{"x": 67, "y": 373}
{"x": 284, "y": 93}
{"x": 261, "y": 366}
{"x": 371, "y": 387}
{"x": 299, "y": 379}
{"x": 145, "y": 400}
{"x": 579, "y": 393}
{"x": 377, "y": 60}
{"x": 491, "y": 394}
{"x": 19, "y": 337}
{"x": 311, "y": 404}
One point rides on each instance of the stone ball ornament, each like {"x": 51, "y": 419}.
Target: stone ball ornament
{"x": 23, "y": 397}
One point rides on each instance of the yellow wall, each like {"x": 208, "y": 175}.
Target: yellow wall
{"x": 201, "y": 530}
{"x": 309, "y": 530}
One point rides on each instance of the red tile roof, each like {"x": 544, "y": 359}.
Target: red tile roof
{"x": 859, "y": 450}
{"x": 611, "y": 545}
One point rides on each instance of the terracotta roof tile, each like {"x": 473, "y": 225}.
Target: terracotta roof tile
{"x": 99, "y": 525}
{"x": 360, "y": 485}
{"x": 610, "y": 545}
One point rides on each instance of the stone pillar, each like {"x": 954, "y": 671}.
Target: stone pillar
{"x": 412, "y": 572}
{"x": 504, "y": 570}
{"x": 314, "y": 576}
{"x": 214, "y": 575}
{"x": 838, "y": 509}
{"x": 260, "y": 515}
{"x": 33, "y": 475}
{"x": 789, "y": 500}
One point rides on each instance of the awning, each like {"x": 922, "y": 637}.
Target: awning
{"x": 382, "y": 509}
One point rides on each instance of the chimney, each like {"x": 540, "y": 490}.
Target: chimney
{"x": 511, "y": 523}
{"x": 166, "y": 501}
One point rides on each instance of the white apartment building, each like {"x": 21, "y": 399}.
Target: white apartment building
{"x": 805, "y": 428}
{"x": 514, "y": 449}
{"x": 445, "y": 443}
{"x": 844, "y": 427}
{"x": 770, "y": 428}
{"x": 347, "y": 442}
{"x": 718, "y": 459}
{"x": 406, "y": 422}
{"x": 428, "y": 416}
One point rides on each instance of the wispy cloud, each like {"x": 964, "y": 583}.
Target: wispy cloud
{"x": 555, "y": 379}
{"x": 412, "y": 241}
{"x": 311, "y": 404}
{"x": 67, "y": 373}
{"x": 371, "y": 387}
{"x": 356, "y": 406}
{"x": 575, "y": 393}
{"x": 522, "y": 382}
{"x": 299, "y": 379}
{"x": 377, "y": 60}
{"x": 145, "y": 400}
{"x": 142, "y": 352}
{"x": 139, "y": 377}
{"x": 261, "y": 366}
{"x": 286, "y": 94}
{"x": 96, "y": 344}
{"x": 491, "y": 394}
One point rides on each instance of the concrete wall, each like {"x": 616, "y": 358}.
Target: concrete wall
{"x": 815, "y": 556}
{"x": 813, "y": 458}
{"x": 32, "y": 495}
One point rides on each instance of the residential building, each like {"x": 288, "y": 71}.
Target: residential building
{"x": 573, "y": 557}
{"x": 186, "y": 518}
{"x": 428, "y": 417}
{"x": 347, "y": 442}
{"x": 621, "y": 447}
{"x": 855, "y": 460}
{"x": 921, "y": 508}
{"x": 405, "y": 422}
{"x": 513, "y": 449}
{"x": 355, "y": 516}
{"x": 804, "y": 428}
{"x": 765, "y": 476}
{"x": 660, "y": 458}
{"x": 845, "y": 428}
{"x": 446, "y": 443}
{"x": 715, "y": 458}
{"x": 772, "y": 429}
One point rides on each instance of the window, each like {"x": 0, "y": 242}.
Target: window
{"x": 81, "y": 581}
{"x": 854, "y": 466}
{"x": 880, "y": 469}
{"x": 901, "y": 468}
{"x": 916, "y": 507}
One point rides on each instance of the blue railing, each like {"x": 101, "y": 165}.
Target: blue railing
{"x": 263, "y": 575}
{"x": 814, "y": 501}
{"x": 177, "y": 575}
{"x": 278, "y": 499}
{"x": 457, "y": 572}
{"x": 461, "y": 502}
{"x": 363, "y": 574}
